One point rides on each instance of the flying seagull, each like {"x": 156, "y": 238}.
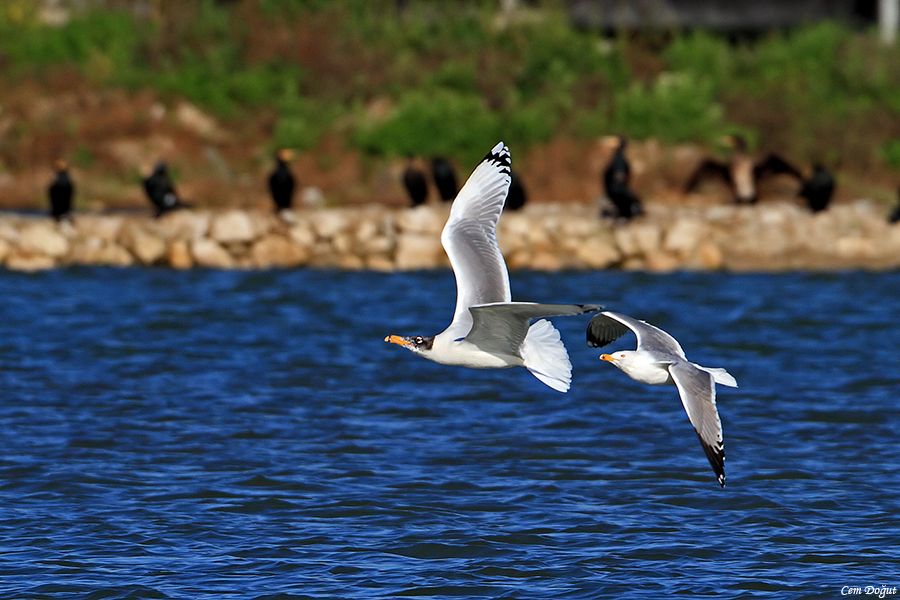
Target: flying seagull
{"x": 488, "y": 330}
{"x": 659, "y": 360}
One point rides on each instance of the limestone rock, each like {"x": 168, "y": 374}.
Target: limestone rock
{"x": 421, "y": 219}
{"x": 598, "y": 252}
{"x": 708, "y": 256}
{"x": 41, "y": 237}
{"x": 146, "y": 247}
{"x": 208, "y": 253}
{"x": 104, "y": 227}
{"x": 417, "y": 251}
{"x": 9, "y": 231}
{"x": 232, "y": 226}
{"x": 350, "y": 262}
{"x": 684, "y": 236}
{"x": 855, "y": 248}
{"x": 24, "y": 261}
{"x": 178, "y": 255}
{"x": 185, "y": 224}
{"x": 312, "y": 197}
{"x": 546, "y": 261}
{"x": 518, "y": 259}
{"x": 659, "y": 261}
{"x": 278, "y": 251}
{"x": 96, "y": 251}
{"x": 637, "y": 238}
{"x": 328, "y": 223}
{"x": 379, "y": 262}
{"x": 303, "y": 235}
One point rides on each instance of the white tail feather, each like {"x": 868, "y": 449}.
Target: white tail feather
{"x": 545, "y": 356}
{"x": 719, "y": 375}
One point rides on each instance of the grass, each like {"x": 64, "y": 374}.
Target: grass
{"x": 455, "y": 79}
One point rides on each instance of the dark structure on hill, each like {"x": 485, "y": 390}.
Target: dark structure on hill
{"x": 738, "y": 16}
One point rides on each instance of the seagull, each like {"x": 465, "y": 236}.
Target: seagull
{"x": 659, "y": 360}
{"x": 488, "y": 330}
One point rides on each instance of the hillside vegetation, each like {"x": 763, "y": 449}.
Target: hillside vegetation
{"x": 435, "y": 78}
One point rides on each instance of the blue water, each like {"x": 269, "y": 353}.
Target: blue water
{"x": 238, "y": 434}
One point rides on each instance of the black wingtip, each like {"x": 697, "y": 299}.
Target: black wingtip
{"x": 716, "y": 456}
{"x": 500, "y": 156}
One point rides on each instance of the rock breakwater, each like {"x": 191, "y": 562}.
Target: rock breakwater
{"x": 766, "y": 237}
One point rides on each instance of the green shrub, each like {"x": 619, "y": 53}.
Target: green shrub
{"x": 677, "y": 107}
{"x": 442, "y": 122}
{"x": 30, "y": 45}
{"x": 891, "y": 152}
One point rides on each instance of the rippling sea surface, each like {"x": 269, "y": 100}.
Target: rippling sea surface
{"x": 249, "y": 434}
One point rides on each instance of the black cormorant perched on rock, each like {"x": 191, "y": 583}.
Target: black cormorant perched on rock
{"x": 281, "y": 181}
{"x": 61, "y": 191}
{"x": 894, "y": 217}
{"x": 416, "y": 184}
{"x": 161, "y": 191}
{"x": 617, "y": 180}
{"x": 741, "y": 172}
{"x": 444, "y": 176}
{"x": 516, "y": 196}
{"x": 818, "y": 188}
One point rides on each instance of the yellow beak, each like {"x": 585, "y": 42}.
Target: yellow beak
{"x": 396, "y": 339}
{"x": 607, "y": 357}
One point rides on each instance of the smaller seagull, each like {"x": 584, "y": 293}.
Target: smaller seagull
{"x": 659, "y": 360}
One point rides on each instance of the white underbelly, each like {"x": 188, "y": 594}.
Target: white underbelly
{"x": 465, "y": 354}
{"x": 651, "y": 374}
{"x": 743, "y": 183}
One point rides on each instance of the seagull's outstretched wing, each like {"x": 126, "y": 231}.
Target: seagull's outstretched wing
{"x": 608, "y": 326}
{"x": 698, "y": 395}
{"x": 470, "y": 238}
{"x": 501, "y": 328}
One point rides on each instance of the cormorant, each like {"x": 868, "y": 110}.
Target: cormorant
{"x": 416, "y": 184}
{"x": 281, "y": 181}
{"x": 818, "y": 189}
{"x": 894, "y": 217}
{"x": 741, "y": 172}
{"x": 161, "y": 191}
{"x": 516, "y": 197}
{"x": 61, "y": 191}
{"x": 616, "y": 182}
{"x": 444, "y": 176}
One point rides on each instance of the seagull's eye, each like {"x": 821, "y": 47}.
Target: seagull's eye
{"x": 419, "y": 340}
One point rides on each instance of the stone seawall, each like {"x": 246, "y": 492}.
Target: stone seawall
{"x": 767, "y": 237}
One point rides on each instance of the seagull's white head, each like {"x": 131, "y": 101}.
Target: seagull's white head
{"x": 417, "y": 344}
{"x": 619, "y": 359}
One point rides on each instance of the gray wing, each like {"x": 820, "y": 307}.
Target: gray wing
{"x": 698, "y": 395}
{"x": 470, "y": 237}
{"x": 608, "y": 326}
{"x": 501, "y": 328}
